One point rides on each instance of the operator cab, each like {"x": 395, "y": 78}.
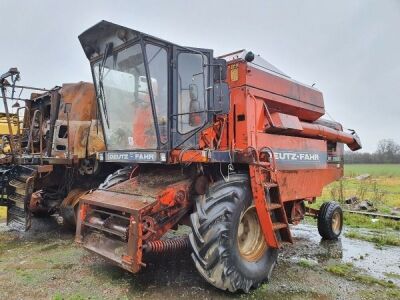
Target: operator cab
{"x": 153, "y": 96}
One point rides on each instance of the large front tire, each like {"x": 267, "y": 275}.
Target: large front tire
{"x": 229, "y": 249}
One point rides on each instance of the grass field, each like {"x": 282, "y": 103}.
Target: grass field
{"x": 376, "y": 170}
{"x": 382, "y": 187}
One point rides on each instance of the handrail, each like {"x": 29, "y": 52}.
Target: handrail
{"x": 19, "y": 133}
{"x": 262, "y": 149}
{"x": 271, "y": 154}
{"x": 30, "y": 140}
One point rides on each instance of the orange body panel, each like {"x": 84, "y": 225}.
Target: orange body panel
{"x": 254, "y": 94}
{"x": 280, "y": 93}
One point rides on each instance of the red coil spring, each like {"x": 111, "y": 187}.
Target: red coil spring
{"x": 170, "y": 245}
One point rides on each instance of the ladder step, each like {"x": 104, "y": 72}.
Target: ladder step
{"x": 17, "y": 184}
{"x": 16, "y": 219}
{"x": 272, "y": 206}
{"x": 278, "y": 226}
{"x": 18, "y": 200}
{"x": 20, "y": 187}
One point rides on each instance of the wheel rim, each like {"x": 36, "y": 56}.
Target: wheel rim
{"x": 250, "y": 238}
{"x": 336, "y": 222}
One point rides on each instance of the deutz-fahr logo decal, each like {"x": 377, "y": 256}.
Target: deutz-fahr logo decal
{"x": 130, "y": 156}
{"x": 299, "y": 159}
{"x": 296, "y": 156}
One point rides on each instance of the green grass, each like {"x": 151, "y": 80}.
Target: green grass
{"x": 393, "y": 294}
{"x": 348, "y": 271}
{"x": 305, "y": 263}
{"x": 360, "y": 221}
{"x": 59, "y": 296}
{"x": 392, "y": 275}
{"x": 382, "y": 187}
{"x": 376, "y": 170}
{"x": 379, "y": 239}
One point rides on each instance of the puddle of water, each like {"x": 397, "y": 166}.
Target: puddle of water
{"x": 376, "y": 262}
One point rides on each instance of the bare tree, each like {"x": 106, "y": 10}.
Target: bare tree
{"x": 388, "y": 150}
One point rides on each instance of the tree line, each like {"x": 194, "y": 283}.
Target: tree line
{"x": 387, "y": 152}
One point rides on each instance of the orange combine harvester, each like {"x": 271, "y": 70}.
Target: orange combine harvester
{"x": 231, "y": 146}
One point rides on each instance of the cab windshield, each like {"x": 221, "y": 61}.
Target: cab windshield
{"x": 125, "y": 103}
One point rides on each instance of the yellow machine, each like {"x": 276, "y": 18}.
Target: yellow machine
{"x": 6, "y": 147}
{"x": 4, "y": 128}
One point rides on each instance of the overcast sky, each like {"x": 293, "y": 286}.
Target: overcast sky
{"x": 350, "y": 49}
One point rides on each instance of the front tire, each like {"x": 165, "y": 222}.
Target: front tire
{"x": 229, "y": 249}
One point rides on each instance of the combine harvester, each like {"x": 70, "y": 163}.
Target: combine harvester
{"x": 51, "y": 156}
{"x": 230, "y": 145}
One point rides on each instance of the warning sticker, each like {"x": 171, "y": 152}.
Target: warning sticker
{"x": 234, "y": 72}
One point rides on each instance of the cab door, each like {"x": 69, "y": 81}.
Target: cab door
{"x": 192, "y": 85}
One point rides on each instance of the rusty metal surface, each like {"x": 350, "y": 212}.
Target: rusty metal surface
{"x": 81, "y": 97}
{"x": 45, "y": 168}
{"x": 77, "y": 114}
{"x": 149, "y": 183}
{"x": 73, "y": 197}
{"x": 108, "y": 248}
{"x": 113, "y": 200}
{"x": 136, "y": 211}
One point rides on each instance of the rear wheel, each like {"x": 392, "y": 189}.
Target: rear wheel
{"x": 330, "y": 220}
{"x": 229, "y": 249}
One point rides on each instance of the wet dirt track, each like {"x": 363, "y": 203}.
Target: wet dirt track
{"x": 45, "y": 264}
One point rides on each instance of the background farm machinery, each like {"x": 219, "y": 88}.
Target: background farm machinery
{"x": 49, "y": 149}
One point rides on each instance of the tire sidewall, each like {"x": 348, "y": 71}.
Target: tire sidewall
{"x": 325, "y": 217}
{"x": 337, "y": 209}
{"x": 255, "y": 270}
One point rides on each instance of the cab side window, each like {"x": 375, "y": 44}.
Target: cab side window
{"x": 158, "y": 67}
{"x": 192, "y": 79}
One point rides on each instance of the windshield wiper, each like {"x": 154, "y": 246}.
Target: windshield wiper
{"x": 107, "y": 53}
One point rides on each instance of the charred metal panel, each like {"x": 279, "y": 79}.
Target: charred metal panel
{"x": 75, "y": 128}
{"x": 96, "y": 138}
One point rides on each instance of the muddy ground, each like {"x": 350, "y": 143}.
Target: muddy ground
{"x": 46, "y": 264}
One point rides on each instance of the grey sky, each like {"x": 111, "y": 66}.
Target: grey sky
{"x": 350, "y": 49}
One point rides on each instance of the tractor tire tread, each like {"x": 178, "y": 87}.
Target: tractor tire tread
{"x": 211, "y": 230}
{"x": 325, "y": 220}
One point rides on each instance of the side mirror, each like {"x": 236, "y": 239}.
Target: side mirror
{"x": 194, "y": 105}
